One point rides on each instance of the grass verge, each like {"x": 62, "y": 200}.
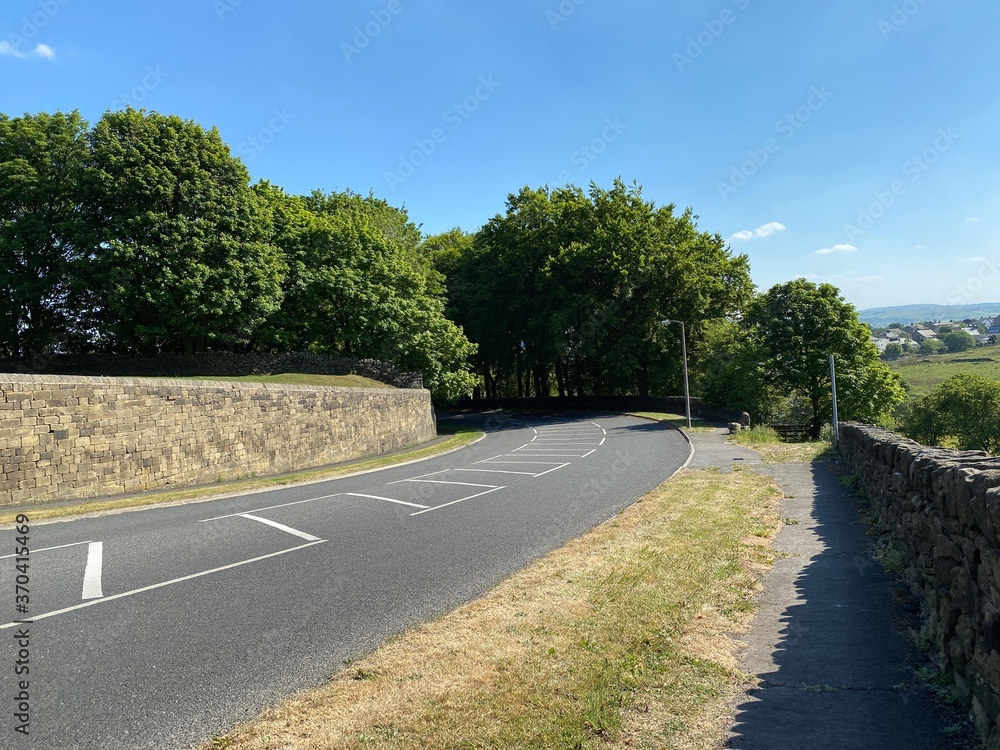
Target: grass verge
{"x": 298, "y": 378}
{"x": 677, "y": 420}
{"x": 772, "y": 450}
{"x": 619, "y": 638}
{"x": 458, "y": 437}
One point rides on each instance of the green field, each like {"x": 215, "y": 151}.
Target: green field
{"x": 926, "y": 372}
{"x": 296, "y": 378}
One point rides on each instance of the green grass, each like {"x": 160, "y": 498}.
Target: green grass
{"x": 458, "y": 437}
{"x": 621, "y": 638}
{"x": 677, "y": 420}
{"x": 298, "y": 378}
{"x": 926, "y": 372}
{"x": 755, "y": 436}
{"x": 772, "y": 450}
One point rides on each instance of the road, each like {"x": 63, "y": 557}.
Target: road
{"x": 163, "y": 627}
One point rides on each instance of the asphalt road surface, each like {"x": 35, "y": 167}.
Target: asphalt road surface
{"x": 164, "y": 627}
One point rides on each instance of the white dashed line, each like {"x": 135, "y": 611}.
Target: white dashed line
{"x": 441, "y": 481}
{"x": 387, "y": 499}
{"x": 270, "y": 507}
{"x": 92, "y": 573}
{"x": 501, "y": 471}
{"x": 46, "y": 549}
{"x": 282, "y": 527}
{"x": 453, "y": 502}
{"x": 550, "y": 471}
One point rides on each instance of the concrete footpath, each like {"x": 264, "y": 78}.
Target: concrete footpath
{"x": 828, "y": 647}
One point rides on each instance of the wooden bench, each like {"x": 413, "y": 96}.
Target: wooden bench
{"x": 793, "y": 433}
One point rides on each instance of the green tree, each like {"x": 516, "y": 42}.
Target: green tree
{"x": 931, "y": 346}
{"x": 729, "y": 371}
{"x": 566, "y": 291}
{"x": 958, "y": 341}
{"x": 357, "y": 286}
{"x": 795, "y": 327}
{"x": 185, "y": 258}
{"x": 44, "y": 231}
{"x": 965, "y": 407}
{"x": 892, "y": 352}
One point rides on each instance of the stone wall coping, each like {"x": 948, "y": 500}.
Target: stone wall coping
{"x": 87, "y": 380}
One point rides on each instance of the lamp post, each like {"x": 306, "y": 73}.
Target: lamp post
{"x": 684, "y": 354}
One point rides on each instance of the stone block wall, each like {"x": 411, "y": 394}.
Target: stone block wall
{"x": 941, "y": 509}
{"x": 76, "y": 437}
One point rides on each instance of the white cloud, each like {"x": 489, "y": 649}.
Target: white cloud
{"x": 7, "y": 49}
{"x": 920, "y": 247}
{"x": 972, "y": 220}
{"x": 766, "y": 230}
{"x": 40, "y": 50}
{"x": 975, "y": 259}
{"x": 837, "y": 249}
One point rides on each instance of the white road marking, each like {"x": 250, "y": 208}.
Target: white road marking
{"x": 440, "y": 481}
{"x": 46, "y": 549}
{"x": 144, "y": 589}
{"x": 92, "y": 573}
{"x": 533, "y": 463}
{"x": 270, "y": 507}
{"x": 500, "y": 471}
{"x": 555, "y": 455}
{"x": 387, "y": 499}
{"x": 420, "y": 476}
{"x": 282, "y": 527}
{"x": 453, "y": 502}
{"x": 549, "y": 471}
{"x": 590, "y": 440}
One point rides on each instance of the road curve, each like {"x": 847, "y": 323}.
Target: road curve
{"x": 164, "y": 627}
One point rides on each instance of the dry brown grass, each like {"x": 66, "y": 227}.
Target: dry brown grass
{"x": 620, "y": 638}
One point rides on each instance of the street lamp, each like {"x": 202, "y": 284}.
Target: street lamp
{"x": 684, "y": 353}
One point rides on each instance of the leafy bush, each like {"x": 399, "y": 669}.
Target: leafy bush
{"x": 964, "y": 407}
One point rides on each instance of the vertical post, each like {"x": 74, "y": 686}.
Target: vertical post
{"x": 687, "y": 391}
{"x": 836, "y": 421}
{"x": 684, "y": 354}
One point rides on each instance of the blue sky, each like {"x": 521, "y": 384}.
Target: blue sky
{"x": 853, "y": 142}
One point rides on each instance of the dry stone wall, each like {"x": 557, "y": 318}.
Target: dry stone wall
{"x": 77, "y": 437}
{"x": 941, "y": 509}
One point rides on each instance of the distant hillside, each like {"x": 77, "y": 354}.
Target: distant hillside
{"x": 925, "y": 373}
{"x": 880, "y": 317}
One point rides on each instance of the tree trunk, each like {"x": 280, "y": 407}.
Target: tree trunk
{"x": 817, "y": 420}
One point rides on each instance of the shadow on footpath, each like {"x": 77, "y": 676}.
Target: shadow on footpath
{"x": 835, "y": 669}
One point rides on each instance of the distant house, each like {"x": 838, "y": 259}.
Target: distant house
{"x": 920, "y": 335}
{"x": 988, "y": 323}
{"x": 892, "y": 336}
{"x": 993, "y": 330}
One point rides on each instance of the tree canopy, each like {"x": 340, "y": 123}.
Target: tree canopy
{"x": 965, "y": 408}
{"x": 143, "y": 234}
{"x": 573, "y": 287}
{"x": 44, "y": 233}
{"x": 184, "y": 254}
{"x": 788, "y": 335}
